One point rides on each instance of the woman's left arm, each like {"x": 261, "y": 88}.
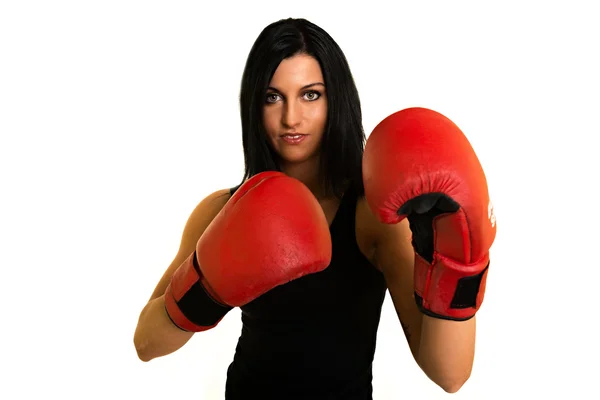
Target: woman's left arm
{"x": 443, "y": 349}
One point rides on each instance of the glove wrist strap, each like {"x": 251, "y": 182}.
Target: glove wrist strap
{"x": 449, "y": 290}
{"x": 192, "y": 307}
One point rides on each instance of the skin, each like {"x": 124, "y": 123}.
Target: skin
{"x": 297, "y": 103}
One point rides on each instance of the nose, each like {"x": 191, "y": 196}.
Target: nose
{"x": 292, "y": 114}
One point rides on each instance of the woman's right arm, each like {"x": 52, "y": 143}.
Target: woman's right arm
{"x": 155, "y": 334}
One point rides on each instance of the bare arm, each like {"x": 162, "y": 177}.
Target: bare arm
{"x": 155, "y": 334}
{"x": 443, "y": 349}
{"x": 447, "y": 351}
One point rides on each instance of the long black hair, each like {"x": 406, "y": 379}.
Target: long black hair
{"x": 343, "y": 139}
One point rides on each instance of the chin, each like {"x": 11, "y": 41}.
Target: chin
{"x": 297, "y": 157}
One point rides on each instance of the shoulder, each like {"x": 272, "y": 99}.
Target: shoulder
{"x": 213, "y": 202}
{"x": 199, "y": 219}
{"x": 210, "y": 205}
{"x": 202, "y": 215}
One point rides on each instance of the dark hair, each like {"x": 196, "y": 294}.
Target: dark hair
{"x": 343, "y": 139}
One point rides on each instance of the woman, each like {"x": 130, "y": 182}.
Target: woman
{"x": 301, "y": 115}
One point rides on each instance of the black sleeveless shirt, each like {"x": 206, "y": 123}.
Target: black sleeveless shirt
{"x": 314, "y": 337}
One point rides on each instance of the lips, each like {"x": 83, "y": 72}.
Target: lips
{"x": 293, "y": 138}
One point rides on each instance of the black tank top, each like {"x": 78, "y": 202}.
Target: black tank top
{"x": 314, "y": 337}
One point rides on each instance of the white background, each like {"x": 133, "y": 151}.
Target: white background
{"x": 118, "y": 117}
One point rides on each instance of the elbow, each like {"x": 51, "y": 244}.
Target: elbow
{"x": 141, "y": 349}
{"x": 451, "y": 388}
{"x": 143, "y": 356}
{"x": 449, "y": 379}
{"x": 453, "y": 385}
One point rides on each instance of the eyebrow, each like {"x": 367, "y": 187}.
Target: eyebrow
{"x": 302, "y": 88}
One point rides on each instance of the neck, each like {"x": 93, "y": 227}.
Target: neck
{"x": 307, "y": 173}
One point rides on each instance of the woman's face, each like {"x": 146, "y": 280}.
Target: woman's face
{"x": 295, "y": 109}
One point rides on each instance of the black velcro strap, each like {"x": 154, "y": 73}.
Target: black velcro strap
{"x": 467, "y": 290}
{"x": 429, "y": 313}
{"x": 199, "y": 307}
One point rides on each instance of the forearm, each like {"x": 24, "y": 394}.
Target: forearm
{"x": 446, "y": 351}
{"x": 155, "y": 335}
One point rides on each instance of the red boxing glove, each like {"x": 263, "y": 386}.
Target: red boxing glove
{"x": 270, "y": 232}
{"x": 419, "y": 165}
